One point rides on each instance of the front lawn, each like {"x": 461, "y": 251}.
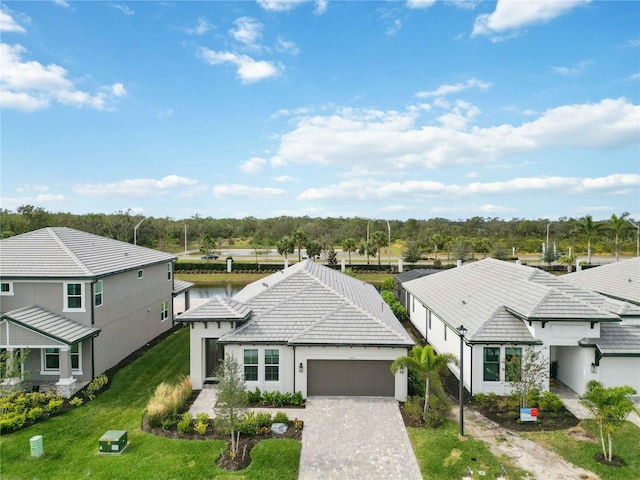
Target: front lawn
{"x": 581, "y": 451}
{"x": 442, "y": 455}
{"x": 71, "y": 440}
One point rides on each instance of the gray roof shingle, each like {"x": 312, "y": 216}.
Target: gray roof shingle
{"x": 619, "y": 280}
{"x": 51, "y": 324}
{"x": 616, "y": 340}
{"x": 61, "y": 252}
{"x": 218, "y": 308}
{"x": 310, "y": 304}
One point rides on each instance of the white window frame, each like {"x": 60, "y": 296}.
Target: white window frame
{"x": 7, "y": 292}
{"x": 53, "y": 371}
{"x": 271, "y": 365}
{"x": 169, "y": 271}
{"x": 140, "y": 274}
{"x": 65, "y": 307}
{"x": 164, "y": 310}
{"x": 96, "y": 293}
{"x": 253, "y": 365}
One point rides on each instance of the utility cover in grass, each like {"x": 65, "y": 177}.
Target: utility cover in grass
{"x": 279, "y": 428}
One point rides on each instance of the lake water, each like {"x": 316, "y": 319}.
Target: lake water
{"x": 228, "y": 290}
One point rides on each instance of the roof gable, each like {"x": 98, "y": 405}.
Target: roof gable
{"x": 61, "y": 252}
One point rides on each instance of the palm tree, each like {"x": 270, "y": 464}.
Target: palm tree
{"x": 589, "y": 228}
{"x": 378, "y": 240}
{"x": 299, "y": 239}
{"x": 618, "y": 224}
{"x": 429, "y": 365}
{"x": 285, "y": 246}
{"x": 436, "y": 239}
{"x": 349, "y": 245}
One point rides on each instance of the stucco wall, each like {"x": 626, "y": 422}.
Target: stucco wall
{"x": 616, "y": 371}
{"x": 574, "y": 367}
{"x": 198, "y": 333}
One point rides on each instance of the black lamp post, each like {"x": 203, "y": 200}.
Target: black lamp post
{"x": 462, "y": 331}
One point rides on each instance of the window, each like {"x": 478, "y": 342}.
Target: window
{"x": 271, "y": 364}
{"x": 169, "y": 270}
{"x": 73, "y": 297}
{"x": 140, "y": 274}
{"x": 6, "y": 288}
{"x": 491, "y": 364}
{"x": 512, "y": 364}
{"x": 251, "y": 365}
{"x": 52, "y": 358}
{"x": 97, "y": 294}
{"x": 164, "y": 311}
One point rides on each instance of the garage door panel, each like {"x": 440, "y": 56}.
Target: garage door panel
{"x": 350, "y": 378}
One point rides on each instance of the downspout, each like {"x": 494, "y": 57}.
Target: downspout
{"x": 470, "y": 370}
{"x": 294, "y": 369}
{"x": 93, "y": 321}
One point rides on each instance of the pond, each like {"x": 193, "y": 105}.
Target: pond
{"x": 210, "y": 291}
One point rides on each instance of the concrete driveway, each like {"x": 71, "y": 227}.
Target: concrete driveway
{"x": 355, "y": 438}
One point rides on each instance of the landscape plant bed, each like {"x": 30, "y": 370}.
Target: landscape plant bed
{"x": 561, "y": 419}
{"x": 246, "y": 443}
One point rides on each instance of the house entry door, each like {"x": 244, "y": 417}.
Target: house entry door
{"x": 214, "y": 353}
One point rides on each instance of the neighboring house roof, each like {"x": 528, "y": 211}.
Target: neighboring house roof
{"x": 619, "y": 280}
{"x": 61, "y": 252}
{"x": 415, "y": 273}
{"x": 181, "y": 286}
{"x": 492, "y": 298}
{"x": 50, "y": 324}
{"x": 218, "y": 308}
{"x": 616, "y": 340}
{"x": 310, "y": 304}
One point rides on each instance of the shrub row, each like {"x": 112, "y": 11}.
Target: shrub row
{"x": 167, "y": 402}
{"x": 20, "y": 408}
{"x": 253, "y": 423}
{"x": 545, "y": 401}
{"x": 275, "y": 399}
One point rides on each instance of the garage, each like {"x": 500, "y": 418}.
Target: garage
{"x": 350, "y": 378}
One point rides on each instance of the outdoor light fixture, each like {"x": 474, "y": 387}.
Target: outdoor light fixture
{"x": 462, "y": 331}
{"x": 594, "y": 368}
{"x": 300, "y": 368}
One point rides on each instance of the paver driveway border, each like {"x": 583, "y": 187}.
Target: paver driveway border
{"x": 355, "y": 438}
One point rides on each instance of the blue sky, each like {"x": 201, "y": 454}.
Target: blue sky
{"x": 385, "y": 109}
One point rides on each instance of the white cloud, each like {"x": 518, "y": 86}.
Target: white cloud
{"x": 237, "y": 190}
{"x": 165, "y": 113}
{"x": 420, "y": 3}
{"x": 62, "y": 3}
{"x": 448, "y": 89}
{"x": 248, "y": 69}
{"x": 510, "y": 15}
{"x": 393, "y": 142}
{"x": 284, "y": 179}
{"x": 123, "y": 8}
{"x": 573, "y": 70}
{"x": 139, "y": 187}
{"x": 287, "y": 47}
{"x": 29, "y": 85}
{"x": 202, "y": 27}
{"x": 248, "y": 32}
{"x": 633, "y": 43}
{"x": 635, "y": 76}
{"x": 285, "y": 5}
{"x": 8, "y": 24}
{"x": 41, "y": 200}
{"x": 253, "y": 165}
{"x": 395, "y": 27}
{"x": 321, "y": 7}
{"x": 28, "y": 187}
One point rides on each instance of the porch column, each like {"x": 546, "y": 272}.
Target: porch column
{"x": 187, "y": 300}
{"x": 66, "y": 386}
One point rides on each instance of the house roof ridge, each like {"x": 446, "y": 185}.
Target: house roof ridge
{"x": 51, "y": 231}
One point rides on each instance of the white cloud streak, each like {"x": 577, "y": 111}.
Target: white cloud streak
{"x": 248, "y": 69}
{"x": 253, "y": 165}
{"x": 136, "y": 187}
{"x": 246, "y": 191}
{"x": 8, "y": 24}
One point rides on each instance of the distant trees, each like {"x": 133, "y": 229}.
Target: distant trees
{"x": 378, "y": 240}
{"x": 589, "y": 228}
{"x": 207, "y": 244}
{"x": 285, "y": 246}
{"x": 618, "y": 225}
{"x": 412, "y": 253}
{"x": 349, "y": 245}
{"x": 299, "y": 240}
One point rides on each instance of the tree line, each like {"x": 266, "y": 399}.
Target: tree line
{"x": 437, "y": 238}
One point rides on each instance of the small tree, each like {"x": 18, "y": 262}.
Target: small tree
{"x": 231, "y": 397}
{"x": 11, "y": 366}
{"x": 429, "y": 365}
{"x": 207, "y": 244}
{"x": 285, "y": 246}
{"x": 610, "y": 407}
{"x": 412, "y": 253}
{"x": 525, "y": 371}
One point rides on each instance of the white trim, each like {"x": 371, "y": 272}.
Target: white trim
{"x": 164, "y": 313}
{"x": 65, "y": 307}
{"x": 140, "y": 273}
{"x": 170, "y": 271}
{"x": 9, "y": 292}
{"x": 101, "y": 293}
{"x": 50, "y": 371}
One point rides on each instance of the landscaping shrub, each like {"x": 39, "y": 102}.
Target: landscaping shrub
{"x": 550, "y": 402}
{"x": 254, "y": 396}
{"x": 76, "y": 402}
{"x": 416, "y": 383}
{"x": 263, "y": 419}
{"x": 35, "y": 413}
{"x": 249, "y": 425}
{"x": 413, "y": 408}
{"x": 281, "y": 417}
{"x": 168, "y": 401}
{"x": 297, "y": 399}
{"x": 95, "y": 386}
{"x": 169, "y": 422}
{"x": 438, "y": 411}
{"x": 184, "y": 425}
{"x": 202, "y": 422}
{"x": 275, "y": 399}
{"x": 20, "y": 408}
{"x": 54, "y": 405}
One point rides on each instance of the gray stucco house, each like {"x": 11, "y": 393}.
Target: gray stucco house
{"x": 306, "y": 328}
{"x": 507, "y": 307}
{"x": 81, "y": 303}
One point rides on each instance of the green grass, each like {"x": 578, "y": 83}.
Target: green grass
{"x": 71, "y": 440}
{"x": 442, "y": 455}
{"x": 626, "y": 445}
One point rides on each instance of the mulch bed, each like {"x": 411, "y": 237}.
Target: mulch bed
{"x": 547, "y": 421}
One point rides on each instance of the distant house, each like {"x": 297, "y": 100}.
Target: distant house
{"x": 401, "y": 278}
{"x": 507, "y": 307}
{"x": 81, "y": 303}
{"x": 307, "y": 328}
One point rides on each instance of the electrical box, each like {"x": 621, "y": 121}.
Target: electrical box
{"x": 113, "y": 441}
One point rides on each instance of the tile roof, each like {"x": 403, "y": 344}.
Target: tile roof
{"x": 217, "y": 308}
{"x": 618, "y": 279}
{"x": 61, "y": 252}
{"x": 616, "y": 340}
{"x": 415, "y": 273}
{"x": 311, "y": 304}
{"x": 504, "y": 294}
{"x": 50, "y": 324}
{"x": 181, "y": 286}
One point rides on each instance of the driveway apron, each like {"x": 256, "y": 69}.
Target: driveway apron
{"x": 355, "y": 438}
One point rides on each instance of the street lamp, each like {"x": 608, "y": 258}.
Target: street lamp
{"x": 185, "y": 239}
{"x": 462, "y": 331}
{"x": 389, "y": 248}
{"x": 135, "y": 231}
{"x": 637, "y": 237}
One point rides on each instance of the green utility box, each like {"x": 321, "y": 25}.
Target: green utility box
{"x": 113, "y": 441}
{"x": 36, "y": 446}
